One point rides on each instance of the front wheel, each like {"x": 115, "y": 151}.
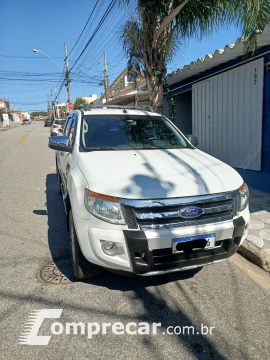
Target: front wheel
{"x": 82, "y": 268}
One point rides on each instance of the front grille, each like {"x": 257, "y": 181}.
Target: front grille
{"x": 130, "y": 217}
{"x": 164, "y": 213}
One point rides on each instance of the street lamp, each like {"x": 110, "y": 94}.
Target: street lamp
{"x": 39, "y": 51}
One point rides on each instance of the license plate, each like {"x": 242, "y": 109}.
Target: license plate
{"x": 210, "y": 241}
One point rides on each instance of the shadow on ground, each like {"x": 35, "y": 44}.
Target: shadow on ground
{"x": 159, "y": 306}
{"x": 58, "y": 241}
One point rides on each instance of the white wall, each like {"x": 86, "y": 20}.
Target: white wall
{"x": 227, "y": 115}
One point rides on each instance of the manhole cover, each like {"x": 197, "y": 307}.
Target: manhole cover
{"x": 50, "y": 274}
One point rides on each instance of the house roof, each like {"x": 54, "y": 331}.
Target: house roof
{"x": 230, "y": 52}
{"x": 141, "y": 96}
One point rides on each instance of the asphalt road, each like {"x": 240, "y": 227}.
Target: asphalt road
{"x": 32, "y": 232}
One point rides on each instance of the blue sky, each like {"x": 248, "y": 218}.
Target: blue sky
{"x": 45, "y": 25}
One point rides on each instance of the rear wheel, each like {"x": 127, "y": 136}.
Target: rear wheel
{"x": 82, "y": 268}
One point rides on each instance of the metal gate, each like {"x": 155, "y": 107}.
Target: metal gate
{"x": 227, "y": 115}
{"x": 201, "y": 114}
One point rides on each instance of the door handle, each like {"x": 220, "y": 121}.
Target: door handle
{"x": 67, "y": 168}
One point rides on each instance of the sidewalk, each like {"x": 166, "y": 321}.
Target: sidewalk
{"x": 256, "y": 248}
{"x": 9, "y": 127}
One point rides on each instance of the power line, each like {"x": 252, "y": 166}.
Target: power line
{"x": 28, "y": 57}
{"x": 110, "y": 19}
{"x": 107, "y": 12}
{"x": 19, "y": 92}
{"x": 84, "y": 27}
{"x": 87, "y": 32}
{"x": 31, "y": 80}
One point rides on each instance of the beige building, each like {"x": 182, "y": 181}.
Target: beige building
{"x": 127, "y": 89}
{"x": 90, "y": 99}
{"x": 25, "y": 115}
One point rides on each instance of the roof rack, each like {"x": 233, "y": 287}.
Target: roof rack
{"x": 89, "y": 107}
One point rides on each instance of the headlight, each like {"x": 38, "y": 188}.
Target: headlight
{"x": 104, "y": 207}
{"x": 243, "y": 197}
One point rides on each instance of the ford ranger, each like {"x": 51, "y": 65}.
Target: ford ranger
{"x": 141, "y": 198}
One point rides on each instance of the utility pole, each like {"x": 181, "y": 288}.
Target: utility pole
{"x": 106, "y": 79}
{"x": 53, "y": 105}
{"x": 56, "y": 103}
{"x": 67, "y": 73}
{"x": 48, "y": 98}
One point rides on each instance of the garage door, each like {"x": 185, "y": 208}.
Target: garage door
{"x": 227, "y": 115}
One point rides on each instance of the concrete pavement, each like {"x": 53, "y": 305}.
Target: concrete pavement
{"x": 32, "y": 232}
{"x": 256, "y": 248}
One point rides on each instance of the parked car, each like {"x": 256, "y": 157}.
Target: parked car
{"x": 57, "y": 126}
{"x": 26, "y": 122}
{"x": 141, "y": 198}
{"x": 48, "y": 122}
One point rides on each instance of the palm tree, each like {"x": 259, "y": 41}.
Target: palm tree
{"x": 152, "y": 36}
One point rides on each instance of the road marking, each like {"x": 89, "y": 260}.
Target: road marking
{"x": 22, "y": 140}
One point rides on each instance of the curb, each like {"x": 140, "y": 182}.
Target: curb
{"x": 257, "y": 256}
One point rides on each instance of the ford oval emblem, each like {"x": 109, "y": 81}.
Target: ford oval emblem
{"x": 190, "y": 212}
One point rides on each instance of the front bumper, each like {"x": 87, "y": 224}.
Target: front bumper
{"x": 156, "y": 245}
{"x": 162, "y": 260}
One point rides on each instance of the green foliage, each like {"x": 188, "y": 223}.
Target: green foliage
{"x": 197, "y": 19}
{"x": 38, "y": 113}
{"x": 78, "y": 102}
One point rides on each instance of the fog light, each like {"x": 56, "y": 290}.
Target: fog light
{"x": 111, "y": 248}
{"x": 107, "y": 245}
{"x": 139, "y": 254}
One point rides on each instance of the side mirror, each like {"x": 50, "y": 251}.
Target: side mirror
{"x": 59, "y": 143}
{"x": 192, "y": 139}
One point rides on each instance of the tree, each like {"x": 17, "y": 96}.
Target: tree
{"x": 152, "y": 36}
{"x": 78, "y": 102}
{"x": 38, "y": 113}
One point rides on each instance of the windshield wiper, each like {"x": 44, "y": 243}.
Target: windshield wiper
{"x": 106, "y": 148}
{"x": 101, "y": 148}
{"x": 148, "y": 146}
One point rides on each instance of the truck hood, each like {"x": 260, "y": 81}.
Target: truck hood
{"x": 155, "y": 174}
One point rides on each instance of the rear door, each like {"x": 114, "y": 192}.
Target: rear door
{"x": 66, "y": 158}
{"x": 62, "y": 155}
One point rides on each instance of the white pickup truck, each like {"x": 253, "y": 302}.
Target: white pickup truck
{"x": 140, "y": 198}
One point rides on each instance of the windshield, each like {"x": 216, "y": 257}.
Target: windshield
{"x": 130, "y": 132}
{"x": 59, "y": 122}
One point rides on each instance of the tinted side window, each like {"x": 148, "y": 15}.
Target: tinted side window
{"x": 68, "y": 125}
{"x": 72, "y": 134}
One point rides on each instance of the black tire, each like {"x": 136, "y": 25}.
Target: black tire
{"x": 82, "y": 268}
